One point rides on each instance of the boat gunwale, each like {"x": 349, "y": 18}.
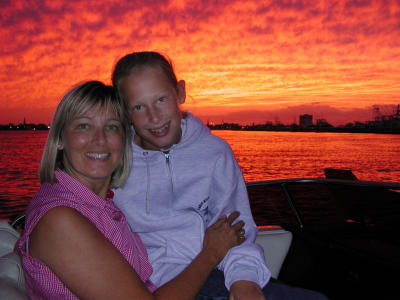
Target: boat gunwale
{"x": 390, "y": 185}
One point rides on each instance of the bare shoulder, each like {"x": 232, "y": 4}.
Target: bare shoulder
{"x": 61, "y": 216}
{"x": 82, "y": 258}
{"x": 59, "y": 219}
{"x": 58, "y": 227}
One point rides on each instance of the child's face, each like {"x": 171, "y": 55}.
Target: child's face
{"x": 154, "y": 108}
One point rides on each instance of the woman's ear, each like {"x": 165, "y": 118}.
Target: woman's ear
{"x": 181, "y": 90}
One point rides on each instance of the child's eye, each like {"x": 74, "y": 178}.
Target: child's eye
{"x": 162, "y": 99}
{"x": 137, "y": 107}
{"x": 83, "y": 126}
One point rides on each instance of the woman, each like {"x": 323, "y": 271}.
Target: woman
{"x": 76, "y": 243}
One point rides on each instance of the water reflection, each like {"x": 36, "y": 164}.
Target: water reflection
{"x": 20, "y": 153}
{"x": 267, "y": 155}
{"x": 261, "y": 155}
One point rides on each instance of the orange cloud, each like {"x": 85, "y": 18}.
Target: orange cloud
{"x": 258, "y": 56}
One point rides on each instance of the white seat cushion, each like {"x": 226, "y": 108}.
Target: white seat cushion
{"x": 276, "y": 243}
{"x": 8, "y": 237}
{"x": 10, "y": 291}
{"x": 11, "y": 269}
{"x": 12, "y": 281}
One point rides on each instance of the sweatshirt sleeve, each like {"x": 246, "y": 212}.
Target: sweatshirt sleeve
{"x": 229, "y": 193}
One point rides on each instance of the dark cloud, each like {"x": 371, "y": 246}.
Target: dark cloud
{"x": 350, "y": 4}
{"x": 295, "y": 5}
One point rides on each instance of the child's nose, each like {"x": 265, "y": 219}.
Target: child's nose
{"x": 154, "y": 115}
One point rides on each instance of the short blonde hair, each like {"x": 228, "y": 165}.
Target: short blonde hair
{"x": 80, "y": 100}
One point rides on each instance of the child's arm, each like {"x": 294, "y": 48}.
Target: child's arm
{"x": 229, "y": 193}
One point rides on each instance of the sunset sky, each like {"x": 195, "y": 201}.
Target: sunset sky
{"x": 243, "y": 61}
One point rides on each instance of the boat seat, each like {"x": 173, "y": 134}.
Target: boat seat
{"x": 276, "y": 242}
{"x": 12, "y": 282}
{"x": 8, "y": 237}
{"x": 273, "y": 239}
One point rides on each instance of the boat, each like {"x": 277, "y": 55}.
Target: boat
{"x": 274, "y": 239}
{"x": 337, "y": 235}
{"x": 345, "y": 232}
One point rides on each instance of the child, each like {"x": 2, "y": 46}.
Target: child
{"x": 183, "y": 179}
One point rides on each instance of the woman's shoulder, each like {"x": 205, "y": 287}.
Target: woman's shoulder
{"x": 60, "y": 215}
{"x": 61, "y": 229}
{"x": 63, "y": 220}
{"x": 58, "y": 220}
{"x": 50, "y": 197}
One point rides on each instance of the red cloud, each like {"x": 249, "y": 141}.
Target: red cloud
{"x": 267, "y": 55}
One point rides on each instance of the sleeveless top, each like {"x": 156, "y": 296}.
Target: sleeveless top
{"x": 41, "y": 282}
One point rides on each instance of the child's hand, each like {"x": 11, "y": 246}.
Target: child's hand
{"x": 222, "y": 235}
{"x": 242, "y": 290}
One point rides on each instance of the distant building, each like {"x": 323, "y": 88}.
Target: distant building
{"x": 305, "y": 120}
{"x": 323, "y": 123}
{"x": 389, "y": 122}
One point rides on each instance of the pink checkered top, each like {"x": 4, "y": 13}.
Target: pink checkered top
{"x": 41, "y": 282}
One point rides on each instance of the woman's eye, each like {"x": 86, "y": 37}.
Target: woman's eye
{"x": 113, "y": 127}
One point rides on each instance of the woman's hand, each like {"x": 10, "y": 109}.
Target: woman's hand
{"x": 223, "y": 235}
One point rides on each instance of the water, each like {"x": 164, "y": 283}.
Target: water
{"x": 20, "y": 153}
{"x": 268, "y": 155}
{"x": 262, "y": 155}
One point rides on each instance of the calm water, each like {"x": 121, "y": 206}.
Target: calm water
{"x": 266, "y": 155}
{"x": 261, "y": 155}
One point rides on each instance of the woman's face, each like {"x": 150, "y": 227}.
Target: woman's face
{"x": 93, "y": 146}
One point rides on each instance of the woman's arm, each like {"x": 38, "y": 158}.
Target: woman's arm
{"x": 219, "y": 238}
{"x": 92, "y": 268}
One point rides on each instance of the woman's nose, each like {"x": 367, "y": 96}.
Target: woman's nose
{"x": 100, "y": 136}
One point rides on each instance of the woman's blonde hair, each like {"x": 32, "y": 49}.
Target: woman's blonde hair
{"x": 78, "y": 101}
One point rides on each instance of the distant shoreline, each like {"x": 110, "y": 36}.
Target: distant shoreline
{"x": 25, "y": 127}
{"x": 260, "y": 128}
{"x": 333, "y": 130}
{"x": 387, "y": 124}
{"x": 350, "y": 128}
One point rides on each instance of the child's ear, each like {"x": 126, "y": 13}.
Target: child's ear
{"x": 181, "y": 89}
{"x": 60, "y": 145}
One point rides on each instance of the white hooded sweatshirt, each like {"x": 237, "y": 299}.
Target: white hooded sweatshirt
{"x": 171, "y": 198}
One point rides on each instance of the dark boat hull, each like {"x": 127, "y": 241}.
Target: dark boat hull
{"x": 345, "y": 234}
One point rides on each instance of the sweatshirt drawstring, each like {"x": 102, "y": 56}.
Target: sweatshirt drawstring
{"x": 148, "y": 183}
